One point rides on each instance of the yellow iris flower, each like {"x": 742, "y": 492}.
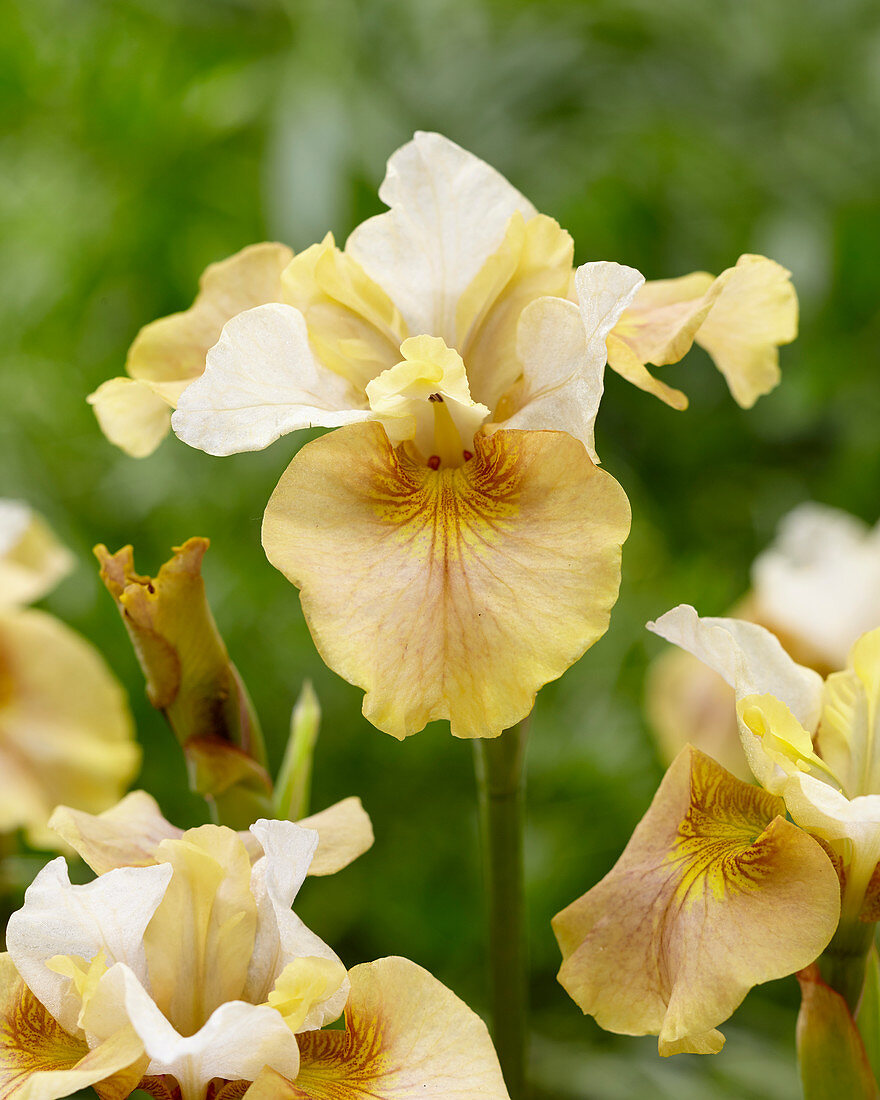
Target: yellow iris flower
{"x": 182, "y": 967}
{"x": 717, "y": 891}
{"x": 455, "y": 544}
{"x": 66, "y": 733}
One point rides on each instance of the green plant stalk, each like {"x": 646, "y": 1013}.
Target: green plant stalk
{"x": 501, "y": 791}
{"x": 844, "y": 961}
{"x": 294, "y": 783}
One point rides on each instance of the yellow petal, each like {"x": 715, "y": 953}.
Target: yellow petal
{"x": 625, "y": 361}
{"x": 406, "y": 1036}
{"x": 782, "y": 736}
{"x": 32, "y": 560}
{"x": 534, "y": 261}
{"x": 302, "y": 984}
{"x": 200, "y": 940}
{"x": 756, "y": 311}
{"x": 173, "y": 348}
{"x": 132, "y": 415}
{"x": 344, "y": 831}
{"x": 40, "y": 1061}
{"x": 353, "y": 325}
{"x": 450, "y": 593}
{"x": 715, "y": 892}
{"x": 65, "y": 729}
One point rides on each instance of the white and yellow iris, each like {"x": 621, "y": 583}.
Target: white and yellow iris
{"x": 717, "y": 891}
{"x": 454, "y": 543}
{"x": 66, "y": 733}
{"x": 182, "y": 963}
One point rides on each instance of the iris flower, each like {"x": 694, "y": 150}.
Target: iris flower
{"x": 182, "y": 970}
{"x": 455, "y": 545}
{"x": 66, "y": 732}
{"x": 722, "y": 891}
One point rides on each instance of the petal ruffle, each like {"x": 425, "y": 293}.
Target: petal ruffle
{"x": 448, "y": 213}
{"x": 406, "y": 1036}
{"x": 64, "y": 723}
{"x": 715, "y": 892}
{"x": 32, "y": 560}
{"x": 262, "y": 381}
{"x": 39, "y": 1060}
{"x": 454, "y": 593}
{"x": 344, "y": 833}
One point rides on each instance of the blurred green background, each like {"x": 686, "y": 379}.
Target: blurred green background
{"x": 144, "y": 139}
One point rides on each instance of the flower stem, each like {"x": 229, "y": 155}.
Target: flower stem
{"x": 500, "y": 785}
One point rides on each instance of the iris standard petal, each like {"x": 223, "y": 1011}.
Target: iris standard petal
{"x": 448, "y": 213}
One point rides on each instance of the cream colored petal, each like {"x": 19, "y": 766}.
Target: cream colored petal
{"x": 173, "y": 348}
{"x": 752, "y": 661}
{"x": 715, "y": 892}
{"x": 109, "y": 914}
{"x": 127, "y": 835}
{"x": 236, "y": 1042}
{"x": 756, "y": 311}
{"x": 281, "y": 935}
{"x": 819, "y": 581}
{"x": 534, "y": 261}
{"x": 63, "y": 716}
{"x": 406, "y": 1036}
{"x": 562, "y": 351}
{"x": 747, "y": 656}
{"x": 32, "y": 560}
{"x": 199, "y": 941}
{"x": 450, "y": 593}
{"x": 132, "y": 415}
{"x": 660, "y": 325}
{"x": 344, "y": 833}
{"x": 41, "y": 1061}
{"x": 261, "y": 382}
{"x": 448, "y": 213}
{"x": 625, "y": 362}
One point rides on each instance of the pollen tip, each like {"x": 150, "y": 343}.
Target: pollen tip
{"x": 434, "y": 462}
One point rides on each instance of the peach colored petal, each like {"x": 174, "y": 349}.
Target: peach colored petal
{"x": 715, "y": 892}
{"x": 450, "y": 593}
{"x": 406, "y": 1037}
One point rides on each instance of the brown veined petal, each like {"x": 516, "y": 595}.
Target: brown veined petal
{"x": 65, "y": 728}
{"x": 452, "y": 593}
{"x": 406, "y": 1036}
{"x": 715, "y": 892}
{"x": 39, "y": 1060}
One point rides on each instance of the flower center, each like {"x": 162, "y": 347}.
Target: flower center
{"x": 426, "y": 399}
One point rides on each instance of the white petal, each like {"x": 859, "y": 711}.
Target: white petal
{"x": 820, "y": 580}
{"x": 109, "y": 914}
{"x": 237, "y": 1041}
{"x": 449, "y": 212}
{"x": 562, "y": 350}
{"x": 281, "y": 935}
{"x": 262, "y": 381}
{"x": 750, "y": 659}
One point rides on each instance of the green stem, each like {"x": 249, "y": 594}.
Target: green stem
{"x": 843, "y": 962}
{"x": 500, "y": 785}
